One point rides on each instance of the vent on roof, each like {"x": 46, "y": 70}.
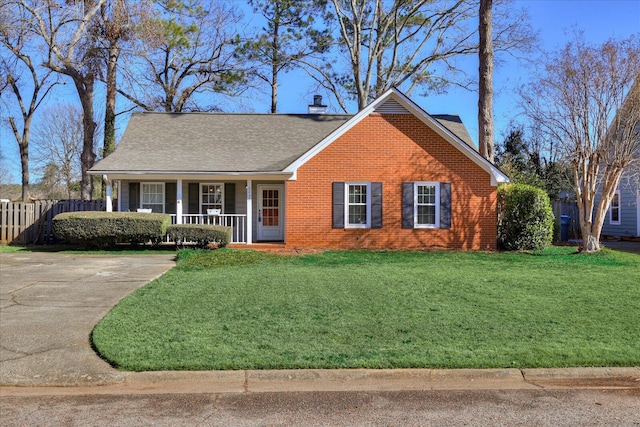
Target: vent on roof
{"x": 317, "y": 107}
{"x": 391, "y": 106}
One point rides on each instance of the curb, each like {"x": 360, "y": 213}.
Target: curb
{"x": 347, "y": 380}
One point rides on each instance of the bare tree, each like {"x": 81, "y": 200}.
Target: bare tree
{"x": 587, "y": 102}
{"x": 112, "y": 26}
{"x": 185, "y": 51}
{"x": 22, "y": 78}
{"x": 485, "y": 81}
{"x": 408, "y": 44}
{"x": 71, "y": 52}
{"x": 5, "y": 173}
{"x": 57, "y": 140}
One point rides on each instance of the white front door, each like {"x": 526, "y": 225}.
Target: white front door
{"x": 270, "y": 212}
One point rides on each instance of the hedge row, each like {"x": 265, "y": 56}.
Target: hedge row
{"x": 200, "y": 234}
{"x": 105, "y": 229}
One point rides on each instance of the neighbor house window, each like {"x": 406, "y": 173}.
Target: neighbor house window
{"x": 614, "y": 211}
{"x": 426, "y": 204}
{"x": 358, "y": 203}
{"x": 211, "y": 197}
{"x": 152, "y": 196}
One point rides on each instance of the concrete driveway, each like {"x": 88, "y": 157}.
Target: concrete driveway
{"x": 50, "y": 302}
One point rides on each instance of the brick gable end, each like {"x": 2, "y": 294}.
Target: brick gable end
{"x": 392, "y": 149}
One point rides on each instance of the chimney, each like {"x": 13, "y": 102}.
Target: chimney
{"x": 317, "y": 107}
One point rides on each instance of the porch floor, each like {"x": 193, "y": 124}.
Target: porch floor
{"x": 266, "y": 246}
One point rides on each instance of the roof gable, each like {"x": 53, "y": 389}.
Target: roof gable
{"x": 395, "y": 102}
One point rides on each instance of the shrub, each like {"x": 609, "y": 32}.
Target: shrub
{"x": 525, "y": 218}
{"x": 104, "y": 229}
{"x": 200, "y": 234}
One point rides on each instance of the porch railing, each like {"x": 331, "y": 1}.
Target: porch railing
{"x": 238, "y": 223}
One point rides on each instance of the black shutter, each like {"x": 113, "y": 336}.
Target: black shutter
{"x": 376, "y": 205}
{"x": 407, "y": 205}
{"x": 338, "y": 205}
{"x": 229, "y": 198}
{"x": 194, "y": 198}
{"x": 170, "y": 195}
{"x": 445, "y": 205}
{"x": 134, "y": 196}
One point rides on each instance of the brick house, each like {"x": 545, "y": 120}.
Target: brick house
{"x": 391, "y": 176}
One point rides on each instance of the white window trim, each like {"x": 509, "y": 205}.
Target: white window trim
{"x": 164, "y": 193}
{"x": 415, "y": 204}
{"x": 346, "y": 205}
{"x": 619, "y": 207}
{"x": 200, "y": 195}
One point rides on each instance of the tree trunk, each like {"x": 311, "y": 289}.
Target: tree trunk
{"x": 85, "y": 87}
{"x": 485, "y": 89}
{"x": 275, "y": 56}
{"x": 24, "y": 163}
{"x": 590, "y": 241}
{"x": 23, "y": 145}
{"x": 110, "y": 109}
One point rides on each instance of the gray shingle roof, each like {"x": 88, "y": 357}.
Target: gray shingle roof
{"x": 219, "y": 142}
{"x": 215, "y": 142}
{"x": 455, "y": 126}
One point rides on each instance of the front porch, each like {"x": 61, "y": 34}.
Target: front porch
{"x": 238, "y": 223}
{"x": 215, "y": 200}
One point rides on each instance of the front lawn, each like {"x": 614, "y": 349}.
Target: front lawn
{"x": 229, "y": 309}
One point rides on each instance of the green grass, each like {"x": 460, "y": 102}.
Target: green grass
{"x": 230, "y": 309}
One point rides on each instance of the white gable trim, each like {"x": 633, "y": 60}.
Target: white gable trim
{"x": 496, "y": 175}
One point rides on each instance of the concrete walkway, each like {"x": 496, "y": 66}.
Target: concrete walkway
{"x": 49, "y": 303}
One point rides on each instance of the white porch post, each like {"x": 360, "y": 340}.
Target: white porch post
{"x": 179, "y": 202}
{"x": 119, "y": 187}
{"x": 109, "y": 202}
{"x": 249, "y": 213}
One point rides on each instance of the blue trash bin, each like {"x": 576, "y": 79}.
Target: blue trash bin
{"x": 565, "y": 222}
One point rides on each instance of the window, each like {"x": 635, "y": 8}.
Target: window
{"x": 614, "y": 210}
{"x": 358, "y": 203}
{"x": 152, "y": 196}
{"x": 211, "y": 197}
{"x": 426, "y": 204}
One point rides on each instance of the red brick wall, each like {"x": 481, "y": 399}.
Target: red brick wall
{"x": 391, "y": 149}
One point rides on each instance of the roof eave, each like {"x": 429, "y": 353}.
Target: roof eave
{"x": 163, "y": 174}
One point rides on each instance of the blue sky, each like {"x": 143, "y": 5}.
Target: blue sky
{"x": 553, "y": 19}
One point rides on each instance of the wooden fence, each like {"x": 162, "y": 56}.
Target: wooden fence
{"x": 30, "y": 223}
{"x": 570, "y": 208}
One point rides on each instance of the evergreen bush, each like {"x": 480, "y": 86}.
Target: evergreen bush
{"x": 105, "y": 229}
{"x": 200, "y": 234}
{"x": 525, "y": 218}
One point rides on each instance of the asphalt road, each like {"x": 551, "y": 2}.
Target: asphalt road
{"x": 398, "y": 408}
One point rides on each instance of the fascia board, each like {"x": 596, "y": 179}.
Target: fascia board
{"x": 187, "y": 175}
{"x": 293, "y": 167}
{"x": 497, "y": 176}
